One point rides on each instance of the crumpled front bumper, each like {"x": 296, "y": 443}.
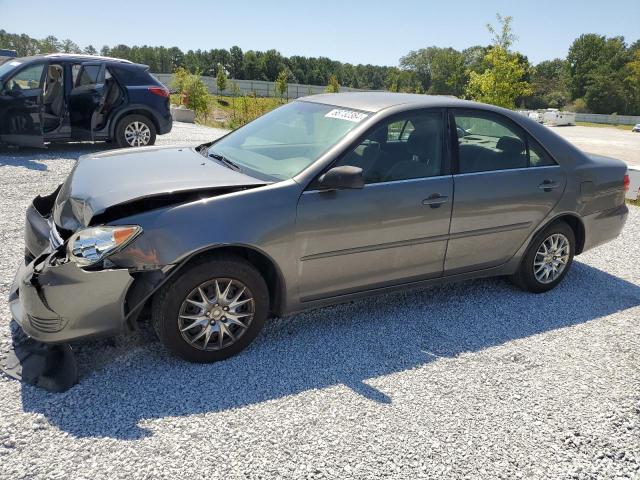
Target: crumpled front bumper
{"x": 55, "y": 301}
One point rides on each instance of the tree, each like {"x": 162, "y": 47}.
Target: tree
{"x": 605, "y": 92}
{"x": 504, "y": 79}
{"x": 596, "y": 71}
{"x": 333, "y": 86}
{"x": 505, "y": 37}
{"x": 549, "y": 85}
{"x": 89, "y": 50}
{"x": 50, "y": 45}
{"x": 632, "y": 72}
{"x": 583, "y": 58}
{"x": 251, "y": 66}
{"x": 221, "y": 80}
{"x": 419, "y": 62}
{"x": 191, "y": 87}
{"x": 448, "y": 74}
{"x": 67, "y": 46}
{"x": 501, "y": 84}
{"x": 282, "y": 85}
{"x": 236, "y": 63}
{"x": 474, "y": 58}
{"x": 271, "y": 64}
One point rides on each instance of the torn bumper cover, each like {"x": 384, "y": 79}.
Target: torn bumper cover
{"x": 56, "y": 302}
{"x": 61, "y": 303}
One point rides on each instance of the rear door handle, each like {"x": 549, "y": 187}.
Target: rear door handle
{"x": 435, "y": 200}
{"x": 548, "y": 185}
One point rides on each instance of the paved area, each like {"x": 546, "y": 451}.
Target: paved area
{"x": 474, "y": 380}
{"x": 612, "y": 142}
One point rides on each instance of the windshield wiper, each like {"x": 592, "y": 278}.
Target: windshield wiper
{"x": 224, "y": 160}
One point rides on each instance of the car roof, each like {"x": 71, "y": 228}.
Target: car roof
{"x": 75, "y": 57}
{"x": 376, "y": 101}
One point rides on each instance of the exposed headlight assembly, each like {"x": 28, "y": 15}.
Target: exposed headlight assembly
{"x": 92, "y": 245}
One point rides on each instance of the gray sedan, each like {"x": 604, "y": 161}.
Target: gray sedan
{"x": 323, "y": 200}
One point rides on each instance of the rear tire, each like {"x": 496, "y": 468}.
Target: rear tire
{"x": 547, "y": 260}
{"x": 214, "y": 328}
{"x": 135, "y": 131}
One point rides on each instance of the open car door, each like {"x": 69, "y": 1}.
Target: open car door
{"x": 21, "y": 107}
{"x": 86, "y": 100}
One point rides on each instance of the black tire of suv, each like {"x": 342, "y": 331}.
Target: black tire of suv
{"x": 166, "y": 305}
{"x": 525, "y": 277}
{"x": 128, "y": 119}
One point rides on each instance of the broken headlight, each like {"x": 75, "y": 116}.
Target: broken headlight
{"x": 92, "y": 245}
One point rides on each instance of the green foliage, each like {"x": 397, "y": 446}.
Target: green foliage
{"x": 549, "y": 83}
{"x": 504, "y": 37}
{"x": 600, "y": 74}
{"x": 578, "y": 105}
{"x": 502, "y": 82}
{"x": 282, "y": 83}
{"x": 180, "y": 79}
{"x": 191, "y": 87}
{"x": 333, "y": 86}
{"x": 221, "y": 80}
{"x": 237, "y": 112}
{"x": 601, "y": 70}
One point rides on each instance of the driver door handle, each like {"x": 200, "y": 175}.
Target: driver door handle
{"x": 548, "y": 185}
{"x": 435, "y": 200}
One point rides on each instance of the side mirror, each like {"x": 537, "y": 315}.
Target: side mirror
{"x": 340, "y": 178}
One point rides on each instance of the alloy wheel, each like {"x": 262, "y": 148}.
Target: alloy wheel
{"x": 551, "y": 258}
{"x": 137, "y": 134}
{"x": 216, "y": 314}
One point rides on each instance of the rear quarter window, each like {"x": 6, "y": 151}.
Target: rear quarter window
{"x": 133, "y": 76}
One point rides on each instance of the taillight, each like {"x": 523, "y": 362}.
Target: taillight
{"x": 160, "y": 91}
{"x": 626, "y": 182}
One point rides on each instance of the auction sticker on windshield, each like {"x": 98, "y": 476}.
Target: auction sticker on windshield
{"x": 349, "y": 115}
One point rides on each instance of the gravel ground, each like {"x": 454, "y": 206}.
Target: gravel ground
{"x": 475, "y": 380}
{"x": 611, "y": 142}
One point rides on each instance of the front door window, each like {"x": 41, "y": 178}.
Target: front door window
{"x": 28, "y": 79}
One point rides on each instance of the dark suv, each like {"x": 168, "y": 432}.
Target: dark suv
{"x": 58, "y": 97}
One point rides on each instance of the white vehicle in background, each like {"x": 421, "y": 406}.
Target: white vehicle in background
{"x": 636, "y": 128}
{"x": 554, "y": 117}
{"x": 536, "y": 117}
{"x": 633, "y": 192}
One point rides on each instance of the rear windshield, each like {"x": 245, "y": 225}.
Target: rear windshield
{"x": 7, "y": 67}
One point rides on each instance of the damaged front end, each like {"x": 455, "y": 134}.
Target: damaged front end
{"x": 80, "y": 284}
{"x": 55, "y": 300}
{"x": 85, "y": 274}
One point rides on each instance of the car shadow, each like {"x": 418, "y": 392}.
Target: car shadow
{"x": 32, "y": 158}
{"x": 346, "y": 344}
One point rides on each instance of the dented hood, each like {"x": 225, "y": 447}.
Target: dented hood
{"x": 103, "y": 180}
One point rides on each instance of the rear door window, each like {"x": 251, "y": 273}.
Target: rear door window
{"x": 87, "y": 75}
{"x": 488, "y": 141}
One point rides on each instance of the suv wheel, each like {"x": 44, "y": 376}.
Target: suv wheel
{"x": 212, "y": 310}
{"x": 548, "y": 259}
{"x": 135, "y": 131}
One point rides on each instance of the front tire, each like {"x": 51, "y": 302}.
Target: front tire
{"x": 212, "y": 310}
{"x": 135, "y": 131}
{"x": 547, "y": 260}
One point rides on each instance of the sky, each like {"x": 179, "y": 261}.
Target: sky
{"x": 377, "y": 32}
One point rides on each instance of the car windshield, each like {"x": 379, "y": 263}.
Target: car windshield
{"x": 8, "y": 67}
{"x": 285, "y": 141}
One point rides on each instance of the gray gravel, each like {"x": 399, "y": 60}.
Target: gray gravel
{"x": 475, "y": 380}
